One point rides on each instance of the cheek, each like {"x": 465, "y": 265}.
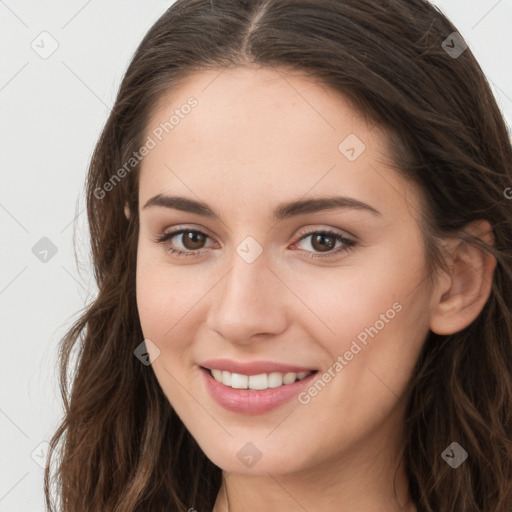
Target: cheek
{"x": 379, "y": 333}
{"x": 164, "y": 303}
{"x": 376, "y": 317}
{"x": 171, "y": 301}
{"x": 159, "y": 311}
{"x": 348, "y": 301}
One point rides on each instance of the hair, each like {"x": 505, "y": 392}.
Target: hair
{"x": 120, "y": 445}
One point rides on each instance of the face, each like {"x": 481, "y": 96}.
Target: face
{"x": 264, "y": 292}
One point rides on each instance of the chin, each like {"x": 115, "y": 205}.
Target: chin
{"x": 256, "y": 458}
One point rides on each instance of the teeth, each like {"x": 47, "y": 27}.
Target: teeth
{"x": 289, "y": 378}
{"x": 239, "y": 381}
{"x": 257, "y": 382}
{"x": 226, "y": 378}
{"x": 275, "y": 380}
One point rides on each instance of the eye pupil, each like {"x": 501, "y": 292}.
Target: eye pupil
{"x": 194, "y": 238}
{"x": 322, "y": 248}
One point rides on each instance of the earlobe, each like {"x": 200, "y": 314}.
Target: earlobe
{"x": 127, "y": 211}
{"x": 464, "y": 292}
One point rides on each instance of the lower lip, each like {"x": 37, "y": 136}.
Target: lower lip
{"x": 252, "y": 402}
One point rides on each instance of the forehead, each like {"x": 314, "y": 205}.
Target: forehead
{"x": 261, "y": 100}
{"x": 263, "y": 132}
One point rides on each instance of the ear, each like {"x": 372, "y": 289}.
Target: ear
{"x": 462, "y": 294}
{"x": 127, "y": 211}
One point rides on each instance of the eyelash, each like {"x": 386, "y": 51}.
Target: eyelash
{"x": 348, "y": 243}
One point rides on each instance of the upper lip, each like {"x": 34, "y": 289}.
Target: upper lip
{"x": 252, "y": 367}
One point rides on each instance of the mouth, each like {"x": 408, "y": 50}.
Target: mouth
{"x": 257, "y": 382}
{"x": 257, "y": 393}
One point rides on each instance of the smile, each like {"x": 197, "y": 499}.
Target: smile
{"x": 256, "y": 391}
{"x": 256, "y": 382}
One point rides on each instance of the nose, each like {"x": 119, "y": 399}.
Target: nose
{"x": 248, "y": 301}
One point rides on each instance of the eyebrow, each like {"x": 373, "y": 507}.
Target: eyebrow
{"x": 282, "y": 211}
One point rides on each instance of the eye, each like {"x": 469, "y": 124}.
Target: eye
{"x": 191, "y": 240}
{"x": 322, "y": 243}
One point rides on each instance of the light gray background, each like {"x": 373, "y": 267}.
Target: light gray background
{"x": 52, "y": 111}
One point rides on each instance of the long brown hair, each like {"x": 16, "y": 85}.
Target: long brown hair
{"x": 121, "y": 446}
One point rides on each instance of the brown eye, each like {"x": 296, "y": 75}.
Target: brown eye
{"x": 193, "y": 240}
{"x": 190, "y": 242}
{"x": 323, "y": 242}
{"x": 183, "y": 242}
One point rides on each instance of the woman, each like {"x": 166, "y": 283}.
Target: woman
{"x": 302, "y": 243}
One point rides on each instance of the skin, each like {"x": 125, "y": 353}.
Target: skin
{"x": 256, "y": 138}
